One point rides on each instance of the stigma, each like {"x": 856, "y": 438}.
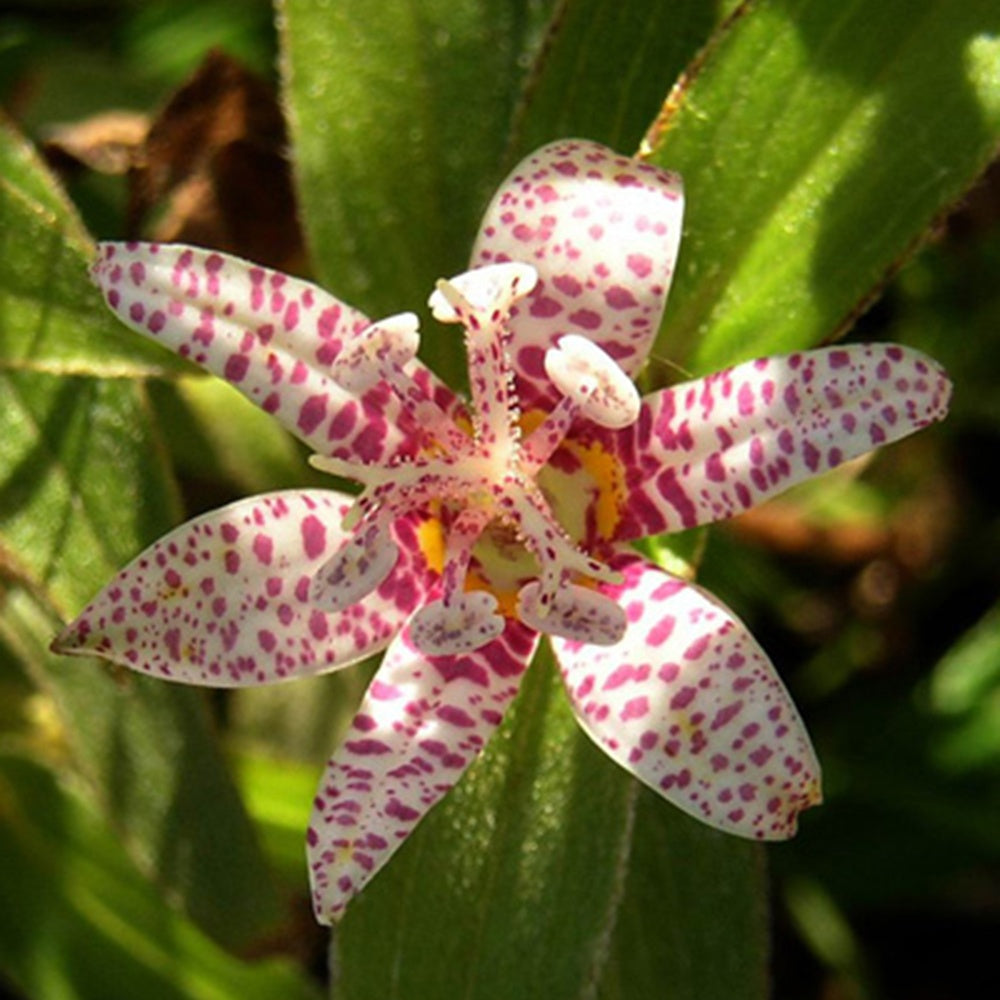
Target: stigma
{"x": 479, "y": 477}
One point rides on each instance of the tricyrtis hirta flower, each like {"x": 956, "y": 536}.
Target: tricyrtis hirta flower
{"x": 483, "y": 525}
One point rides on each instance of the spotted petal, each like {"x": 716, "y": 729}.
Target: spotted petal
{"x": 423, "y": 721}
{"x": 712, "y": 448}
{"x": 690, "y": 704}
{"x": 272, "y": 336}
{"x": 602, "y": 230}
{"x": 223, "y": 600}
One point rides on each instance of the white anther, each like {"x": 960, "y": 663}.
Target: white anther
{"x": 355, "y": 571}
{"x": 484, "y": 289}
{"x": 389, "y": 343}
{"x": 466, "y": 623}
{"x": 572, "y": 612}
{"x": 593, "y": 380}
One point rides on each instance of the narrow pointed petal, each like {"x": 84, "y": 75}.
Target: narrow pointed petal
{"x": 691, "y": 705}
{"x": 424, "y": 720}
{"x": 602, "y": 230}
{"x": 712, "y": 448}
{"x": 223, "y": 600}
{"x": 271, "y": 336}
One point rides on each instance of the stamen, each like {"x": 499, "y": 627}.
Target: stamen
{"x": 380, "y": 353}
{"x": 573, "y": 612}
{"x": 468, "y": 623}
{"x": 491, "y": 289}
{"x": 356, "y": 570}
{"x": 587, "y": 374}
{"x": 377, "y": 352}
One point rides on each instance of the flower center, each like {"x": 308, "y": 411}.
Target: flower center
{"x": 480, "y": 479}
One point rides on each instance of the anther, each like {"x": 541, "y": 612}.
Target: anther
{"x": 491, "y": 289}
{"x": 378, "y": 352}
{"x": 572, "y": 612}
{"x": 360, "y": 565}
{"x": 588, "y": 376}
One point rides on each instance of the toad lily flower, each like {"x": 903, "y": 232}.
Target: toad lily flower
{"x": 483, "y": 526}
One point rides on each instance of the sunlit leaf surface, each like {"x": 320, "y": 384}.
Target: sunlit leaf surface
{"x": 78, "y": 920}
{"x": 818, "y": 143}
{"x": 51, "y": 318}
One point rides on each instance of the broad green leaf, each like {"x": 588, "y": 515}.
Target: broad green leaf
{"x": 399, "y": 113}
{"x": 510, "y": 887}
{"x": 218, "y": 436}
{"x": 83, "y": 488}
{"x": 818, "y": 142}
{"x": 153, "y": 767}
{"x": 79, "y": 922}
{"x": 693, "y": 920}
{"x": 82, "y": 484}
{"x": 605, "y": 68}
{"x": 51, "y": 317}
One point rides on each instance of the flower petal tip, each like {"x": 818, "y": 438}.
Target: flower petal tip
{"x": 69, "y": 641}
{"x": 811, "y": 795}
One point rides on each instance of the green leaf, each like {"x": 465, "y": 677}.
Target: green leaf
{"x": 399, "y": 113}
{"x": 605, "y": 68}
{"x": 965, "y": 690}
{"x": 153, "y": 767}
{"x": 79, "y": 922}
{"x": 51, "y": 317}
{"x": 510, "y": 887}
{"x": 83, "y": 487}
{"x": 23, "y": 174}
{"x": 818, "y": 142}
{"x": 279, "y": 795}
{"x": 218, "y": 435}
{"x": 693, "y": 921}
